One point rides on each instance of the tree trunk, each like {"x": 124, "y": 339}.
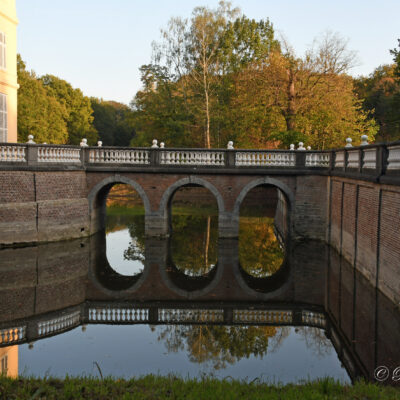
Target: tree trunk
{"x": 207, "y": 109}
{"x": 290, "y": 116}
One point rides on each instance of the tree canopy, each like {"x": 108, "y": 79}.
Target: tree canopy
{"x": 221, "y": 76}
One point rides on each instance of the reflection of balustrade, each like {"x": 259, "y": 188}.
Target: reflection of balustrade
{"x": 313, "y": 318}
{"x": 186, "y": 157}
{"x": 12, "y": 335}
{"x": 12, "y": 153}
{"x": 58, "y": 155}
{"x": 190, "y": 315}
{"x": 262, "y": 316}
{"x": 262, "y": 158}
{"x": 58, "y": 324}
{"x": 120, "y": 314}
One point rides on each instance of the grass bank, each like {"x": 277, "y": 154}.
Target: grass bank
{"x": 155, "y": 387}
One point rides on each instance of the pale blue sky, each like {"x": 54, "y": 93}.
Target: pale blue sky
{"x": 99, "y": 45}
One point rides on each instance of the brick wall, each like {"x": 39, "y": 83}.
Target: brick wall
{"x": 364, "y": 228}
{"x": 42, "y": 206}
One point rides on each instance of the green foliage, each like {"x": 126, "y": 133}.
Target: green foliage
{"x": 79, "y": 117}
{"x": 113, "y": 121}
{"x": 396, "y": 59}
{"x": 219, "y": 345}
{"x": 381, "y": 94}
{"x": 188, "y": 89}
{"x": 51, "y": 110}
{"x": 39, "y": 113}
{"x": 260, "y": 254}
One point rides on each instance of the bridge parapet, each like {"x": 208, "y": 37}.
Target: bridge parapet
{"x": 370, "y": 162}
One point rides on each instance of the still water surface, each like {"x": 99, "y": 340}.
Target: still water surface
{"x": 190, "y": 305}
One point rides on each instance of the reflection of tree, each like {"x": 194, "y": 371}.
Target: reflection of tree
{"x": 219, "y": 345}
{"x": 194, "y": 243}
{"x": 260, "y": 253}
{"x": 276, "y": 341}
{"x": 315, "y": 340}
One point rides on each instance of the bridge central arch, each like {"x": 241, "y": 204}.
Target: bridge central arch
{"x": 166, "y": 200}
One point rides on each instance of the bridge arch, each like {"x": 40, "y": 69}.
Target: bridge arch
{"x": 165, "y": 203}
{"x": 271, "y": 182}
{"x": 97, "y": 199}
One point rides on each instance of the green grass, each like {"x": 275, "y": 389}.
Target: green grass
{"x": 156, "y": 387}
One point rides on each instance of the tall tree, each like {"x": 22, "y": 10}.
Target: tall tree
{"x": 309, "y": 98}
{"x": 381, "y": 94}
{"x": 79, "y": 117}
{"x": 188, "y": 87}
{"x": 396, "y": 59}
{"x": 39, "y": 113}
{"x": 113, "y": 121}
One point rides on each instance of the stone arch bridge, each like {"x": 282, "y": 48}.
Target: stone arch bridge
{"x": 349, "y": 197}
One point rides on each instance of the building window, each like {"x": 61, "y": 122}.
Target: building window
{"x": 3, "y": 117}
{"x": 3, "y": 365}
{"x": 3, "y": 50}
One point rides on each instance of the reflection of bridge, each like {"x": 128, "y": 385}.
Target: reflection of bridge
{"x": 54, "y": 323}
{"x": 57, "y": 192}
{"x": 56, "y": 287}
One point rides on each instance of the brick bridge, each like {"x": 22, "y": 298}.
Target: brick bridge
{"x": 348, "y": 197}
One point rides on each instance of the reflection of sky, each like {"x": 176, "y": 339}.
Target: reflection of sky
{"x": 117, "y": 243}
{"x": 126, "y": 351}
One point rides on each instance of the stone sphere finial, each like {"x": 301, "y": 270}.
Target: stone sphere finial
{"x": 291, "y": 147}
{"x": 348, "y": 142}
{"x": 364, "y": 140}
{"x": 162, "y": 145}
{"x": 301, "y": 146}
{"x": 308, "y": 147}
{"x": 30, "y": 345}
{"x": 154, "y": 145}
{"x": 99, "y": 143}
{"x": 230, "y": 145}
{"x": 30, "y": 139}
{"x": 83, "y": 143}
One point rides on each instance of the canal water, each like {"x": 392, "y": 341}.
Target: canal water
{"x": 192, "y": 305}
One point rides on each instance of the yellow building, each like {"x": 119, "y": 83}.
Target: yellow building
{"x": 8, "y": 71}
{"x": 9, "y": 361}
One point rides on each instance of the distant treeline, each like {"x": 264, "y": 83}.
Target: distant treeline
{"x": 221, "y": 76}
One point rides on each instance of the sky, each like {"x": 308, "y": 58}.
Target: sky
{"x": 98, "y": 45}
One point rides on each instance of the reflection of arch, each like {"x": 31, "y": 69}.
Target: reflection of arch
{"x": 266, "y": 181}
{"x": 177, "y": 281}
{"x": 105, "y": 277}
{"x": 265, "y": 288}
{"x": 191, "y": 180}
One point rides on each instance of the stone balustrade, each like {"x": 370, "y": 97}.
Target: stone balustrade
{"x": 12, "y": 153}
{"x": 59, "y": 324}
{"x": 263, "y": 316}
{"x": 9, "y": 336}
{"x": 265, "y": 158}
{"x": 118, "y": 314}
{"x": 312, "y": 318}
{"x": 38, "y": 327}
{"x": 369, "y": 160}
{"x": 177, "y": 315}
